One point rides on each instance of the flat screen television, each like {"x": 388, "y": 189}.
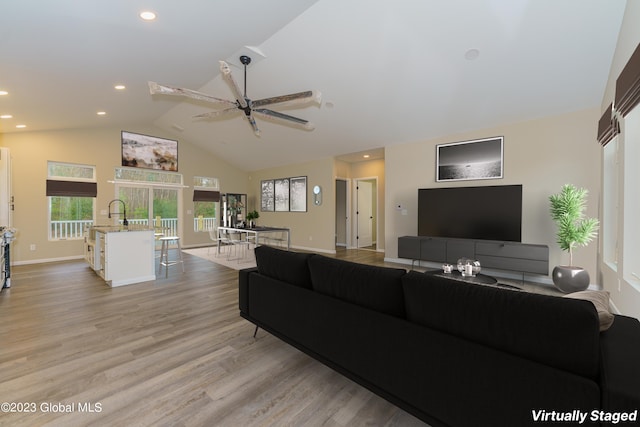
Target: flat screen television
{"x": 485, "y": 213}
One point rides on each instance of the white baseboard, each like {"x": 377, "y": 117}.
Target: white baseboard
{"x": 45, "y": 260}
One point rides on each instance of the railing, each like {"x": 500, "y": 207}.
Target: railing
{"x": 63, "y": 230}
{"x": 68, "y": 230}
{"x": 207, "y": 224}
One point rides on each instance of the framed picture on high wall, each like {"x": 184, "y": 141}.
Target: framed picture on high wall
{"x": 149, "y": 152}
{"x": 470, "y": 160}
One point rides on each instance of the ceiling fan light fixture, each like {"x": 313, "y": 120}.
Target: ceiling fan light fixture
{"x": 243, "y": 103}
{"x": 471, "y": 54}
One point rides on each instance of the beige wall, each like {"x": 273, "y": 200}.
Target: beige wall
{"x": 30, "y": 152}
{"x": 542, "y": 155}
{"x": 311, "y": 230}
{"x": 315, "y": 230}
{"x": 624, "y": 297}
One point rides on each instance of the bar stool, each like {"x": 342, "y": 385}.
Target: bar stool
{"x": 164, "y": 254}
{"x": 156, "y": 238}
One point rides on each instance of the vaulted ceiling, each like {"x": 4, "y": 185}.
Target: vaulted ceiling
{"x": 390, "y": 71}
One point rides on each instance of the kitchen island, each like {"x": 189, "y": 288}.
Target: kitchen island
{"x": 121, "y": 255}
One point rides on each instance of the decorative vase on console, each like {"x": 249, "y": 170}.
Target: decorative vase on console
{"x": 567, "y": 210}
{"x": 468, "y": 267}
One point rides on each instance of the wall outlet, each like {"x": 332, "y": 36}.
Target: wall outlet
{"x": 32, "y": 247}
{"x": 310, "y": 238}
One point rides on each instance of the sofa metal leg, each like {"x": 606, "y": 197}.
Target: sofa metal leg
{"x": 255, "y": 332}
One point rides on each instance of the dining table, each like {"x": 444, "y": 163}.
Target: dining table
{"x": 257, "y": 233}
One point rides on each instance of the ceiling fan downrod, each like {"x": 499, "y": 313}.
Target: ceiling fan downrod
{"x": 245, "y": 60}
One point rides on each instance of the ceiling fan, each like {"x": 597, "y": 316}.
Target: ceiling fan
{"x": 243, "y": 103}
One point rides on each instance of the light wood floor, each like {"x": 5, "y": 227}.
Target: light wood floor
{"x": 173, "y": 352}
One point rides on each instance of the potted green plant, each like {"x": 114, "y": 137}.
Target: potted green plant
{"x": 251, "y": 217}
{"x": 574, "y": 229}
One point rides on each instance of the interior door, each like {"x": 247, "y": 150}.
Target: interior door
{"x": 364, "y": 213}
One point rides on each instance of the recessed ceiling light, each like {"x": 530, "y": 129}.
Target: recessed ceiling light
{"x": 147, "y": 15}
{"x": 101, "y": 113}
{"x": 6, "y": 116}
{"x": 471, "y": 54}
{"x": 21, "y": 126}
{"x": 120, "y": 87}
{"x": 366, "y": 156}
{"x": 4, "y": 92}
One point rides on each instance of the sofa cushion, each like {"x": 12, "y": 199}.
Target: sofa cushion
{"x": 288, "y": 266}
{"x": 600, "y": 300}
{"x": 559, "y": 332}
{"x": 377, "y": 288}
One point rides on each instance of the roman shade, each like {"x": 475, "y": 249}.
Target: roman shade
{"x": 206, "y": 196}
{"x": 71, "y": 188}
{"x": 628, "y": 85}
{"x": 608, "y": 126}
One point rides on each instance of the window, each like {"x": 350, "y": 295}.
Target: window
{"x": 206, "y": 203}
{"x": 71, "y": 192}
{"x": 151, "y": 198}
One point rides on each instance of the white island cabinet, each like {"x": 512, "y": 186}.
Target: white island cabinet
{"x": 120, "y": 256}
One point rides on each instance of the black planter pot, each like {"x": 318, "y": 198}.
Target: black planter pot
{"x": 570, "y": 279}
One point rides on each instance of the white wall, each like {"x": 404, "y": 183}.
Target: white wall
{"x": 542, "y": 155}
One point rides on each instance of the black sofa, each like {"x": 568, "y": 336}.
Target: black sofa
{"x": 448, "y": 352}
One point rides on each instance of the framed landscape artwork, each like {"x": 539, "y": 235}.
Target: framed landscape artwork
{"x": 149, "y": 152}
{"x": 477, "y": 159}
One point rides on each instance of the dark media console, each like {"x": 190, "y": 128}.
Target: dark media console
{"x": 513, "y": 256}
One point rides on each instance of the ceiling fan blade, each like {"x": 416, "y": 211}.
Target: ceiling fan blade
{"x": 253, "y": 124}
{"x": 156, "y": 88}
{"x": 218, "y": 114}
{"x": 283, "y": 118}
{"x": 235, "y": 89}
{"x": 292, "y": 99}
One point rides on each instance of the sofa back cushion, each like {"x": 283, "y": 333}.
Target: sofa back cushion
{"x": 287, "y": 266}
{"x": 377, "y": 288}
{"x": 555, "y": 331}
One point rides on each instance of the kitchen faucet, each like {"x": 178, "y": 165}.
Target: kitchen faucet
{"x": 124, "y": 221}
